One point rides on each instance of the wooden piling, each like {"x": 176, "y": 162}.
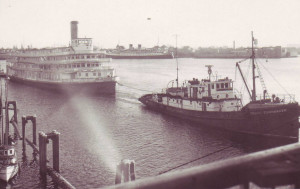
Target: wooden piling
{"x": 55, "y": 147}
{"x": 33, "y": 120}
{"x": 15, "y": 115}
{"x": 24, "y": 121}
{"x": 42, "y": 150}
{"x": 118, "y": 174}
{"x": 43, "y": 153}
{"x": 132, "y": 171}
{"x": 125, "y": 171}
{"x": 14, "y": 104}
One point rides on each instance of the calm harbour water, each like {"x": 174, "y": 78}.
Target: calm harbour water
{"x": 97, "y": 132}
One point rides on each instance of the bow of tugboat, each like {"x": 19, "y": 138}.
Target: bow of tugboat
{"x": 145, "y": 98}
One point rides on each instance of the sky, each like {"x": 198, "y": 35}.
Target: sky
{"x": 197, "y": 23}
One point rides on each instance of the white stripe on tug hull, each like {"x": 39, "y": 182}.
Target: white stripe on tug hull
{"x": 8, "y": 172}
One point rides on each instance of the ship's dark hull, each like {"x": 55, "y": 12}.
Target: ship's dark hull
{"x": 281, "y": 121}
{"x": 164, "y": 56}
{"x": 93, "y": 88}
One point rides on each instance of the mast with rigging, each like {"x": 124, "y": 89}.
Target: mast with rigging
{"x": 253, "y": 69}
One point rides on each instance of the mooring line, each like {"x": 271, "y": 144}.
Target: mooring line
{"x": 134, "y": 87}
{"x": 217, "y": 151}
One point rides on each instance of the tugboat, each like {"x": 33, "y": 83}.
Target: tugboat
{"x": 8, "y": 157}
{"x": 214, "y": 103}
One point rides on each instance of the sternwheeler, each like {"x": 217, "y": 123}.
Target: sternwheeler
{"x": 213, "y": 102}
{"x": 77, "y": 68}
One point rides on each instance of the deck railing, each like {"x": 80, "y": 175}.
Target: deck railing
{"x": 270, "y": 168}
{"x": 279, "y": 98}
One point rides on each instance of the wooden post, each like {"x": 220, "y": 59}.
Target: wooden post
{"x": 55, "y": 147}
{"x": 15, "y": 116}
{"x": 132, "y": 170}
{"x": 14, "y": 104}
{"x": 118, "y": 174}
{"x": 125, "y": 170}
{"x": 43, "y": 153}
{"x": 24, "y": 121}
{"x": 34, "y": 129}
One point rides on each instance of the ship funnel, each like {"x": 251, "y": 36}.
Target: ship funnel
{"x": 74, "y": 30}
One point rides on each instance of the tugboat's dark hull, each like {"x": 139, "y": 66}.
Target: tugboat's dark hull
{"x": 101, "y": 87}
{"x": 276, "y": 121}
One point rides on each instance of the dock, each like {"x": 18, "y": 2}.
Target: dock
{"x": 270, "y": 168}
{"x": 41, "y": 149}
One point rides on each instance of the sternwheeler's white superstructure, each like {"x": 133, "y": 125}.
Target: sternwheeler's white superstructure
{"x": 77, "y": 68}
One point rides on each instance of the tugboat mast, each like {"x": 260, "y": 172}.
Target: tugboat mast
{"x": 253, "y": 70}
{"x": 176, "y": 61}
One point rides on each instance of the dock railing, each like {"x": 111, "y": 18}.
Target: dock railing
{"x": 270, "y": 168}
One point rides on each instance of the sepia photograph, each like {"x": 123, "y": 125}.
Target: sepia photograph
{"x": 149, "y": 94}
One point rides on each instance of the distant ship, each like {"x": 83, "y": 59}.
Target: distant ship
{"x": 214, "y": 103}
{"x": 140, "y": 53}
{"x": 73, "y": 69}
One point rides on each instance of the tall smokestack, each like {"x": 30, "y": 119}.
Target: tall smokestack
{"x": 74, "y": 29}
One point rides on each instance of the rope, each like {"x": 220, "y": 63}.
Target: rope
{"x": 209, "y": 154}
{"x": 134, "y": 88}
{"x": 275, "y": 79}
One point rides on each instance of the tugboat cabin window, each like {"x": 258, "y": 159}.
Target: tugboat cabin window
{"x": 212, "y": 86}
{"x": 226, "y": 85}
{"x": 222, "y": 85}
{"x": 218, "y": 86}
